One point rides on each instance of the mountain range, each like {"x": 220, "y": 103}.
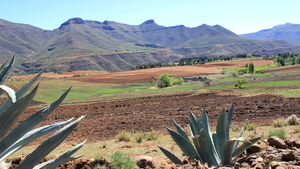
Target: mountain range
{"x": 288, "y": 32}
{"x": 111, "y": 46}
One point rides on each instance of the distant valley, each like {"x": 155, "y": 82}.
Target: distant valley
{"x": 111, "y": 46}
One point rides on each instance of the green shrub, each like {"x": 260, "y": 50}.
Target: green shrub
{"x": 123, "y": 136}
{"x": 152, "y": 135}
{"x": 167, "y": 80}
{"x": 279, "y": 133}
{"x": 121, "y": 161}
{"x": 292, "y": 120}
{"x": 16, "y": 136}
{"x": 250, "y": 126}
{"x": 279, "y": 123}
{"x": 240, "y": 82}
{"x": 212, "y": 148}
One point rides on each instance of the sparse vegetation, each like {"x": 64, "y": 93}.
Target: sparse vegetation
{"x": 152, "y": 135}
{"x": 123, "y": 136}
{"x": 281, "y": 133}
{"x": 249, "y": 126}
{"x": 121, "y": 161}
{"x": 279, "y": 123}
{"x": 292, "y": 120}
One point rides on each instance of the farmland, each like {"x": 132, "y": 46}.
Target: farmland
{"x": 113, "y": 102}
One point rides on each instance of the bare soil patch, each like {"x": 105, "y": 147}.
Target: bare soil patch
{"x": 104, "y": 120}
{"x": 147, "y": 75}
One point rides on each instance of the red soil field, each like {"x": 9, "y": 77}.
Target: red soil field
{"x": 145, "y": 75}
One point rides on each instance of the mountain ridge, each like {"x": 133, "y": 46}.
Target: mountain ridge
{"x": 113, "y": 46}
{"x": 288, "y": 32}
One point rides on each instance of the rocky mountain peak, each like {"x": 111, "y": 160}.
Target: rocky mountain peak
{"x": 72, "y": 21}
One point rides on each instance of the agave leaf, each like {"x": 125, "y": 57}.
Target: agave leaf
{"x": 9, "y": 117}
{"x": 2, "y": 66}
{"x": 180, "y": 130}
{"x": 196, "y": 124}
{"x": 239, "y": 136}
{"x": 170, "y": 155}
{"x": 29, "y": 137}
{"x": 39, "y": 166}
{"x": 64, "y": 157}
{"x": 9, "y": 92}
{"x": 237, "y": 152}
{"x": 229, "y": 117}
{"x": 48, "y": 145}
{"x": 215, "y": 143}
{"x": 31, "y": 122}
{"x": 185, "y": 145}
{"x": 228, "y": 149}
{"x": 205, "y": 148}
{"x": 23, "y": 90}
{"x": 222, "y": 132}
{"x": 205, "y": 122}
{"x": 6, "y": 70}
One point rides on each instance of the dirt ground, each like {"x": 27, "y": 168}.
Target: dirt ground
{"x": 104, "y": 120}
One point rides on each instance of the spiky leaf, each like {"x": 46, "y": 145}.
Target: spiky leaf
{"x": 48, "y": 145}
{"x": 170, "y": 155}
{"x": 185, "y": 145}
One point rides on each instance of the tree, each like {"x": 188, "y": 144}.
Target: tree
{"x": 240, "y": 82}
{"x": 251, "y": 68}
{"x": 165, "y": 80}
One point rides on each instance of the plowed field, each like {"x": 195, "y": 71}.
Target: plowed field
{"x": 104, "y": 120}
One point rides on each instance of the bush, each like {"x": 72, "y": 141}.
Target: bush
{"x": 240, "y": 82}
{"x": 167, "y": 80}
{"x": 139, "y": 136}
{"x": 292, "y": 120}
{"x": 121, "y": 161}
{"x": 279, "y": 133}
{"x": 123, "y": 136}
{"x": 152, "y": 135}
{"x": 249, "y": 126}
{"x": 279, "y": 123}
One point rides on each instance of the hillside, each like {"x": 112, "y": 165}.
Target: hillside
{"x": 288, "y": 32}
{"x": 111, "y": 46}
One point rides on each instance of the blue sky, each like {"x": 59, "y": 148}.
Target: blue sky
{"x": 239, "y": 16}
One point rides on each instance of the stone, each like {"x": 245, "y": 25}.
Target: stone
{"x": 253, "y": 149}
{"x": 297, "y": 143}
{"x": 277, "y": 142}
{"x": 144, "y": 161}
{"x": 288, "y": 156}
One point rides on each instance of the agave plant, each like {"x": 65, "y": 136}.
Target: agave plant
{"x": 13, "y": 139}
{"x": 212, "y": 148}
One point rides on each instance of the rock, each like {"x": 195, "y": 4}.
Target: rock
{"x": 253, "y": 149}
{"x": 277, "y": 142}
{"x": 297, "y": 143}
{"x": 144, "y": 161}
{"x": 289, "y": 156}
{"x": 258, "y": 166}
{"x": 289, "y": 143}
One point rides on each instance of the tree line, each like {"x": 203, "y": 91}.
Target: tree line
{"x": 281, "y": 59}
